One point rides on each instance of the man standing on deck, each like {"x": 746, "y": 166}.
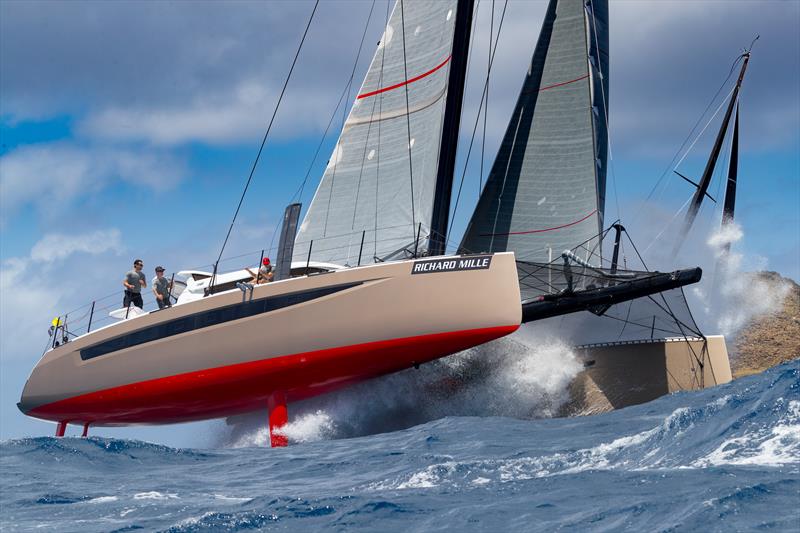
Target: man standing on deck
{"x": 133, "y": 282}
{"x": 161, "y": 288}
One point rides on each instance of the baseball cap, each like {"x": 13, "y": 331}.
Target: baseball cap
{"x": 159, "y": 269}
{"x": 266, "y": 261}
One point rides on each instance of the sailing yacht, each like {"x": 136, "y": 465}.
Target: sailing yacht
{"x": 363, "y": 286}
{"x": 229, "y": 346}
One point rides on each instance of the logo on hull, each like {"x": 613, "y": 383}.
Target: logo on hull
{"x": 430, "y": 266}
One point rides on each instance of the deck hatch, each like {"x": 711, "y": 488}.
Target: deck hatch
{"x": 208, "y": 318}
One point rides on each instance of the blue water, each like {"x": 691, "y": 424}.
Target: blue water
{"x": 722, "y": 459}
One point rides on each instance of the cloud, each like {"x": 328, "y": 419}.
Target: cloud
{"x": 57, "y": 246}
{"x": 206, "y": 72}
{"x": 29, "y": 301}
{"x": 50, "y": 176}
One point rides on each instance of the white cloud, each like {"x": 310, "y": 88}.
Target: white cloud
{"x": 57, "y": 246}
{"x": 214, "y": 74}
{"x": 239, "y": 116}
{"x": 50, "y": 176}
{"x": 32, "y": 291}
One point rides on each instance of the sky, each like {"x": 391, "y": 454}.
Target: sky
{"x": 128, "y": 129}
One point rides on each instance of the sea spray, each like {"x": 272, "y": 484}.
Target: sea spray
{"x": 735, "y": 293}
{"x": 516, "y": 376}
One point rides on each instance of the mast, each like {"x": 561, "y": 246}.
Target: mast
{"x": 450, "y": 127}
{"x": 705, "y": 180}
{"x": 730, "y": 188}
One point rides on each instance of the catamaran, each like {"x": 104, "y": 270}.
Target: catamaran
{"x": 363, "y": 286}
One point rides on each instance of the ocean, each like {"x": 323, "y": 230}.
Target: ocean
{"x": 721, "y": 459}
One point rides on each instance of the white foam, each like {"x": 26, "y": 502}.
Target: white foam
{"x": 154, "y": 495}
{"x": 231, "y": 499}
{"x": 309, "y": 428}
{"x": 777, "y": 446}
{"x": 517, "y": 377}
{"x": 103, "y": 499}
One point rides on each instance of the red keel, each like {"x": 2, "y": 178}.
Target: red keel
{"x": 60, "y": 429}
{"x": 278, "y": 417}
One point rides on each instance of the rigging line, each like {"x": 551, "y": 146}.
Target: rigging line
{"x": 363, "y": 162}
{"x": 408, "y": 122}
{"x": 486, "y": 108}
{"x": 671, "y": 164}
{"x": 380, "y": 112}
{"x": 299, "y": 193}
{"x": 369, "y": 129}
{"x": 336, "y": 109}
{"x": 477, "y": 119}
{"x": 668, "y": 224}
{"x": 605, "y": 109}
{"x": 681, "y": 161}
{"x": 705, "y": 127}
{"x": 266, "y": 134}
{"x": 337, "y": 153}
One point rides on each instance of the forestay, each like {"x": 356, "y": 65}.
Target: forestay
{"x": 545, "y": 192}
{"x": 366, "y": 190}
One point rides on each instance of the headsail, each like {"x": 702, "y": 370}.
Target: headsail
{"x": 546, "y": 189}
{"x": 369, "y": 189}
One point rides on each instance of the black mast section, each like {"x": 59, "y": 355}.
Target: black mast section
{"x": 730, "y": 188}
{"x": 705, "y": 181}
{"x": 450, "y": 127}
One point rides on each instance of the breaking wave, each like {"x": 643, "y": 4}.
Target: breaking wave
{"x": 728, "y": 457}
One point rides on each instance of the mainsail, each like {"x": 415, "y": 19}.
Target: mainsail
{"x": 546, "y": 190}
{"x": 376, "y": 197}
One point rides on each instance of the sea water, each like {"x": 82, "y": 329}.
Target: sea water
{"x": 721, "y": 459}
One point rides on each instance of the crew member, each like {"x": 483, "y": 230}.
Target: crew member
{"x": 162, "y": 288}
{"x": 265, "y": 272}
{"x": 133, "y": 282}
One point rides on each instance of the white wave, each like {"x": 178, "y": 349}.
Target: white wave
{"x": 103, "y": 499}
{"x": 644, "y": 450}
{"x": 775, "y": 446}
{"x": 154, "y": 495}
{"x": 310, "y": 427}
{"x": 517, "y": 377}
{"x": 231, "y": 499}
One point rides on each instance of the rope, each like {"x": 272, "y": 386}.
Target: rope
{"x": 486, "y": 109}
{"x": 477, "y": 118}
{"x": 380, "y": 112}
{"x": 672, "y": 164}
{"x": 605, "y": 112}
{"x": 408, "y": 120}
{"x": 266, "y": 134}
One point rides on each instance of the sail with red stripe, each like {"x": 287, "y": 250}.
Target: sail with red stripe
{"x": 369, "y": 190}
{"x": 546, "y": 190}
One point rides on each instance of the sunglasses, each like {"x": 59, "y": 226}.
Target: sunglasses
{"x": 138, "y": 264}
